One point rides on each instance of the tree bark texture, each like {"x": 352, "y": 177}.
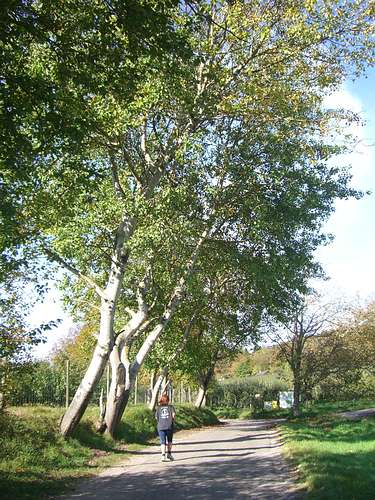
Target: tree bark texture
{"x": 204, "y": 381}
{"x": 109, "y": 298}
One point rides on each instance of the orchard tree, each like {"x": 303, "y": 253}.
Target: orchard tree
{"x": 332, "y": 359}
{"x": 311, "y": 321}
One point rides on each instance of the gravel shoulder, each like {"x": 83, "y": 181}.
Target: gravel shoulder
{"x": 239, "y": 460}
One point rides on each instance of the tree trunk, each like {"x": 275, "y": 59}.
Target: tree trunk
{"x": 151, "y": 387}
{"x": 201, "y": 398}
{"x": 2, "y": 385}
{"x": 203, "y": 386}
{"x": 296, "y": 401}
{"x": 123, "y": 380}
{"x": 94, "y": 372}
{"x": 117, "y": 404}
{"x": 105, "y": 342}
{"x": 296, "y": 394}
{"x": 156, "y": 388}
{"x": 120, "y": 387}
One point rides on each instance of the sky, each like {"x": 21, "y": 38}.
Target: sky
{"x": 349, "y": 260}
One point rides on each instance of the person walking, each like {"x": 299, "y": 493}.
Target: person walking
{"x": 165, "y": 415}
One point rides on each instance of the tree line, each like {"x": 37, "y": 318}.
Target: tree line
{"x": 174, "y": 161}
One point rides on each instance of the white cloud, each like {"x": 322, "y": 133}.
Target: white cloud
{"x": 343, "y": 99}
{"x": 361, "y": 158}
{"x": 348, "y": 260}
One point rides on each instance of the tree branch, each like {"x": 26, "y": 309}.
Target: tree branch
{"x": 54, "y": 256}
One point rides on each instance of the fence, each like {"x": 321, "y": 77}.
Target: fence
{"x": 48, "y": 386}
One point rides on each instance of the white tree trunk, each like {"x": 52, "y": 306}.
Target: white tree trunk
{"x": 117, "y": 405}
{"x": 200, "y": 401}
{"x": 105, "y": 341}
{"x": 93, "y": 374}
{"x": 119, "y": 391}
{"x": 156, "y": 389}
{"x": 204, "y": 382}
{"x": 122, "y": 379}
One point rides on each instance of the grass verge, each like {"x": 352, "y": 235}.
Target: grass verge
{"x": 246, "y": 413}
{"x": 335, "y": 457}
{"x": 36, "y": 462}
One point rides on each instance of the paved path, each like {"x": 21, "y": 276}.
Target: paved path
{"x": 357, "y": 414}
{"x": 239, "y": 460}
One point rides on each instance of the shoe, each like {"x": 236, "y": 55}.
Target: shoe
{"x": 169, "y": 457}
{"x": 164, "y": 458}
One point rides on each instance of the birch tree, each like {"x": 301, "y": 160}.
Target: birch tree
{"x": 93, "y": 104}
{"x": 245, "y": 109}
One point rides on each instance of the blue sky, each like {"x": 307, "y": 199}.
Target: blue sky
{"x": 349, "y": 260}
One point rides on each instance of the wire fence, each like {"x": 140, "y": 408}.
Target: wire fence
{"x": 57, "y": 388}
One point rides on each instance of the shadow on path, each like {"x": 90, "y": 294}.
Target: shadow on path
{"x": 228, "y": 479}
{"x": 245, "y": 467}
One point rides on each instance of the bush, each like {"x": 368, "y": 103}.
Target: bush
{"x": 227, "y": 412}
{"x": 245, "y": 414}
{"x": 355, "y": 385}
{"x": 138, "y": 425}
{"x": 241, "y": 392}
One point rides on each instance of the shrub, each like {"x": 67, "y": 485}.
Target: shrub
{"x": 245, "y": 414}
{"x": 138, "y": 425}
{"x": 227, "y": 412}
{"x": 188, "y": 417}
{"x": 241, "y": 392}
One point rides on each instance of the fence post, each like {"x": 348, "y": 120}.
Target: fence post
{"x": 136, "y": 390}
{"x": 67, "y": 384}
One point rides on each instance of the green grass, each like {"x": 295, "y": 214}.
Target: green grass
{"x": 335, "y": 457}
{"x": 36, "y": 462}
{"x": 246, "y": 413}
{"x": 326, "y": 407}
{"x": 226, "y": 412}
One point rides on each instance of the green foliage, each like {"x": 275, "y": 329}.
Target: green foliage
{"x": 323, "y": 408}
{"x": 188, "y": 417}
{"x": 138, "y": 425}
{"x": 338, "y": 363}
{"x": 242, "y": 393}
{"x": 34, "y": 460}
{"x": 37, "y": 383}
{"x": 40, "y": 382}
{"x": 17, "y": 337}
{"x": 135, "y": 131}
{"x": 227, "y": 412}
{"x": 262, "y": 361}
{"x": 245, "y": 414}
{"x": 244, "y": 369}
